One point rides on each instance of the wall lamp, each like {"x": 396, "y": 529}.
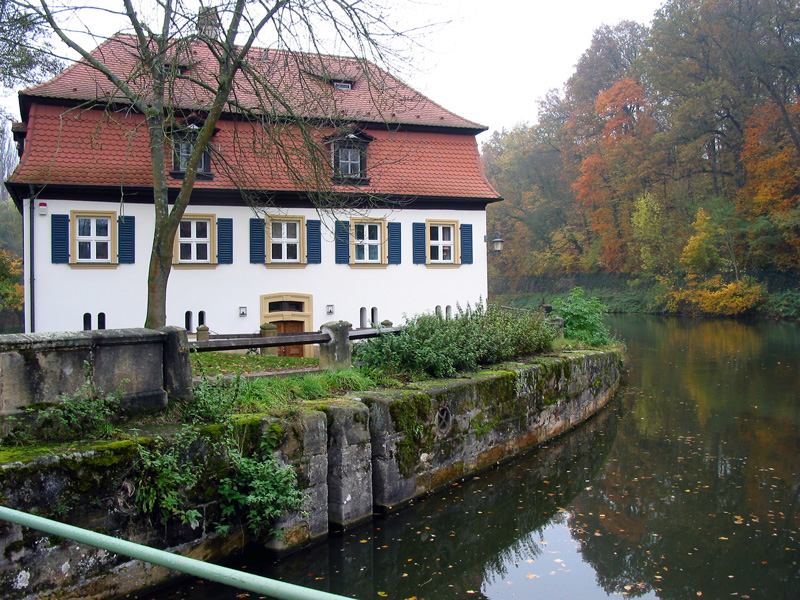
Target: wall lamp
{"x": 497, "y": 243}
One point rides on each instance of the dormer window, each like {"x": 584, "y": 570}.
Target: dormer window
{"x": 183, "y": 146}
{"x": 349, "y": 158}
{"x": 341, "y": 84}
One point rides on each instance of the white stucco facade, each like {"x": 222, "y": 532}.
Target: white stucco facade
{"x": 60, "y": 296}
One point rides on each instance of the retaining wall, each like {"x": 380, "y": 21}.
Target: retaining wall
{"x": 367, "y": 452}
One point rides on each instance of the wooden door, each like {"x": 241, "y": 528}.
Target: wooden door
{"x": 290, "y": 327}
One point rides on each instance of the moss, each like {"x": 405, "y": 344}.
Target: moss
{"x": 412, "y": 417}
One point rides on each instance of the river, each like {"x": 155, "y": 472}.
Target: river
{"x": 687, "y": 486}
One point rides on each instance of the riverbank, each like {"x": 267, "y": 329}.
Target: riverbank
{"x": 364, "y": 452}
{"x": 619, "y": 297}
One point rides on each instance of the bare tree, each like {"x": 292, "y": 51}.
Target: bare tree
{"x": 159, "y": 88}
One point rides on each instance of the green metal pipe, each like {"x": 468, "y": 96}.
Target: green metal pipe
{"x": 190, "y": 566}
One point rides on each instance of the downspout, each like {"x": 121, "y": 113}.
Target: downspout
{"x": 31, "y": 279}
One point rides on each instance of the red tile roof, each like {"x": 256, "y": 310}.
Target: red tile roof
{"x": 87, "y": 146}
{"x": 303, "y": 79}
{"x": 93, "y": 147}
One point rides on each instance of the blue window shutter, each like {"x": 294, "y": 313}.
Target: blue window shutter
{"x": 394, "y": 243}
{"x": 225, "y": 241}
{"x": 418, "y": 235}
{"x": 258, "y": 252}
{"x": 59, "y": 238}
{"x": 342, "y": 234}
{"x": 313, "y": 241}
{"x": 466, "y": 244}
{"x": 126, "y": 245}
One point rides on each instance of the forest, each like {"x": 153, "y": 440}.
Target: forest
{"x": 665, "y": 175}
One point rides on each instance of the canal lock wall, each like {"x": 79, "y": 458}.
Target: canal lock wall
{"x": 368, "y": 452}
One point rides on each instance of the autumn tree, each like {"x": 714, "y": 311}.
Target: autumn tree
{"x": 158, "y": 88}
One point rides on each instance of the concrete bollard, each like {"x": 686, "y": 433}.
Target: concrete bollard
{"x": 269, "y": 330}
{"x": 338, "y": 353}
{"x": 203, "y": 334}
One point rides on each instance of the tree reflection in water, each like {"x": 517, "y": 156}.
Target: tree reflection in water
{"x": 687, "y": 487}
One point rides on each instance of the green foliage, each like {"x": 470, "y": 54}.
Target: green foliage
{"x": 218, "y": 398}
{"x": 583, "y": 318}
{"x": 259, "y": 489}
{"x": 215, "y": 400}
{"x": 23, "y": 61}
{"x": 90, "y": 413}
{"x": 783, "y": 305}
{"x": 165, "y": 475}
{"x": 220, "y": 363}
{"x": 445, "y": 347}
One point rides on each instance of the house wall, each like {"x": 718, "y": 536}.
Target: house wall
{"x": 63, "y": 293}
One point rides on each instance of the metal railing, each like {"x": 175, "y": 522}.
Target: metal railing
{"x": 189, "y": 566}
{"x": 254, "y": 340}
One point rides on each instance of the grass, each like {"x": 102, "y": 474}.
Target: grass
{"x": 212, "y": 364}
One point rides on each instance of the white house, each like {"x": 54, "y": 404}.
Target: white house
{"x": 405, "y": 235}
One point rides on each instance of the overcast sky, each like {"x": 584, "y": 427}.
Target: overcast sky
{"x": 498, "y": 57}
{"x": 491, "y": 60}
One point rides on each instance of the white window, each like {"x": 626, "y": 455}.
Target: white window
{"x": 194, "y": 241}
{"x": 367, "y": 242}
{"x": 441, "y": 240}
{"x": 285, "y": 241}
{"x": 93, "y": 239}
{"x": 349, "y": 161}
{"x": 341, "y": 84}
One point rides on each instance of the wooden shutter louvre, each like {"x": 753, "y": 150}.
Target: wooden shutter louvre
{"x": 418, "y": 237}
{"x": 225, "y": 241}
{"x": 342, "y": 235}
{"x": 258, "y": 252}
{"x": 59, "y": 238}
{"x": 314, "y": 241}
{"x": 466, "y": 244}
{"x": 126, "y": 240}
{"x": 393, "y": 233}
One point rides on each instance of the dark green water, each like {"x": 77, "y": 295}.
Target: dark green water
{"x": 687, "y": 487}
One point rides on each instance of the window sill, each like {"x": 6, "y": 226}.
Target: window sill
{"x": 351, "y": 181}
{"x": 198, "y": 177}
{"x": 285, "y": 265}
{"x": 93, "y": 265}
{"x": 443, "y": 265}
{"x": 368, "y": 265}
{"x": 189, "y": 266}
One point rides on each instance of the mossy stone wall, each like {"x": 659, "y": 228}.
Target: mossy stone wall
{"x": 368, "y": 451}
{"x": 425, "y": 439}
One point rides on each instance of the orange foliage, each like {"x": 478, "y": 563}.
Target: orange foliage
{"x": 11, "y": 292}
{"x": 771, "y": 160}
{"x": 714, "y": 297}
{"x": 622, "y": 107}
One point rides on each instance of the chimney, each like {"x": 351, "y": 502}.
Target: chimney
{"x": 208, "y": 24}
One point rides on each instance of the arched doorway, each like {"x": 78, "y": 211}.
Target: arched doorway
{"x": 291, "y": 313}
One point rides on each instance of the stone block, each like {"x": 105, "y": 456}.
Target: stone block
{"x": 349, "y": 465}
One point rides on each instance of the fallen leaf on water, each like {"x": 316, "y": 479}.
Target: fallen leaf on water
{"x": 382, "y": 594}
{"x": 531, "y": 576}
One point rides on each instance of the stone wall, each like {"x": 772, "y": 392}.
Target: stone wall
{"x": 144, "y": 365}
{"x": 367, "y": 452}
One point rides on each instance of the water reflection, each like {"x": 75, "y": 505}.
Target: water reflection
{"x": 453, "y": 544}
{"x": 688, "y": 487}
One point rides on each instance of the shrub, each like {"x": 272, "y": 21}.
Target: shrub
{"x": 783, "y": 305}
{"x": 443, "y": 347}
{"x": 259, "y": 489}
{"x": 583, "y": 318}
{"x": 89, "y": 413}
